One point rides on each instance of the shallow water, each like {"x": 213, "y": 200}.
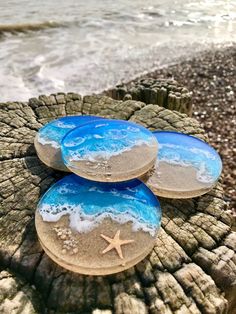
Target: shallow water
{"x": 53, "y": 132}
{"x": 88, "y": 203}
{"x": 179, "y": 149}
{"x": 104, "y": 139}
{"x": 98, "y": 44}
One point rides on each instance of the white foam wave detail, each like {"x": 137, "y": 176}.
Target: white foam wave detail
{"x": 191, "y": 149}
{"x": 75, "y": 142}
{"x": 44, "y": 141}
{"x": 69, "y": 189}
{"x": 202, "y": 175}
{"x": 106, "y": 155}
{"x": 64, "y": 125}
{"x": 83, "y": 223}
{"x": 204, "y": 152}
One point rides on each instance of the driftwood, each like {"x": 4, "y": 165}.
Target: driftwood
{"x": 192, "y": 268}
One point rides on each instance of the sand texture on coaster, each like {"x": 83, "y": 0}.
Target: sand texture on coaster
{"x": 82, "y": 252}
{"x": 174, "y": 181}
{"x": 50, "y": 155}
{"x": 128, "y": 165}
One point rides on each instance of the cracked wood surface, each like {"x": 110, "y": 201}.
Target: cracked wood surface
{"x": 192, "y": 268}
{"x": 166, "y": 93}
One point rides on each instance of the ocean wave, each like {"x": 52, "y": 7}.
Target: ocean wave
{"x": 83, "y": 223}
{"x": 202, "y": 174}
{"x": 26, "y": 27}
{"x": 104, "y": 154}
{"x": 45, "y": 141}
{"x": 204, "y": 161}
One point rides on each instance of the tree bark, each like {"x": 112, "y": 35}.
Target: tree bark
{"x": 192, "y": 268}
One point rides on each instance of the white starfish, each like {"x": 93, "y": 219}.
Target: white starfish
{"x": 115, "y": 243}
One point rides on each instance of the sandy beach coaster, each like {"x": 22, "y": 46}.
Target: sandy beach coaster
{"x": 97, "y": 228}
{"x": 109, "y": 150}
{"x": 48, "y": 139}
{"x": 186, "y": 166}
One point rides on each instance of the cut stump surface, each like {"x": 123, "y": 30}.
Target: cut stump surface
{"x": 192, "y": 268}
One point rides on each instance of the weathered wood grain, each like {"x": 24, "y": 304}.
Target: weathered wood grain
{"x": 192, "y": 268}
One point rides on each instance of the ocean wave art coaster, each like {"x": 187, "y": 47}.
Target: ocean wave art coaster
{"x": 109, "y": 150}
{"x": 97, "y": 228}
{"x": 186, "y": 166}
{"x": 48, "y": 139}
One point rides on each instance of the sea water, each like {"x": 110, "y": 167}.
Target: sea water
{"x": 184, "y": 150}
{"x": 88, "y": 203}
{"x": 97, "y": 44}
{"x": 53, "y": 132}
{"x": 104, "y": 139}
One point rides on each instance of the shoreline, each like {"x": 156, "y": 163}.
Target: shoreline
{"x": 175, "y": 175}
{"x": 81, "y": 253}
{"x": 117, "y": 167}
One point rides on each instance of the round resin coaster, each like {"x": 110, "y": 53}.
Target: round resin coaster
{"x": 186, "y": 166}
{"x": 48, "y": 139}
{"x": 97, "y": 228}
{"x": 109, "y": 150}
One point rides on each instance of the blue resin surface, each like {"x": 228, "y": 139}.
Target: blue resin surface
{"x": 184, "y": 150}
{"x": 53, "y": 132}
{"x": 104, "y": 139}
{"x": 87, "y": 203}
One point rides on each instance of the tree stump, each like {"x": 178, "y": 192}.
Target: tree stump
{"x": 192, "y": 268}
{"x": 165, "y": 93}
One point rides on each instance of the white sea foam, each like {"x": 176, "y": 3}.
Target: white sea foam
{"x": 202, "y": 175}
{"x": 112, "y": 54}
{"x": 117, "y": 134}
{"x": 194, "y": 150}
{"x": 100, "y": 125}
{"x": 64, "y": 125}
{"x": 203, "y": 152}
{"x": 175, "y": 161}
{"x": 97, "y": 136}
{"x": 160, "y": 145}
{"x": 67, "y": 188}
{"x": 42, "y": 140}
{"x": 105, "y": 154}
{"x": 133, "y": 129}
{"x": 83, "y": 223}
{"x": 75, "y": 142}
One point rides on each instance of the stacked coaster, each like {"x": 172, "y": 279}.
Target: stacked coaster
{"x": 102, "y": 219}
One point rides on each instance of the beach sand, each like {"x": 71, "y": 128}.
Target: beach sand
{"x": 173, "y": 181}
{"x": 128, "y": 165}
{"x": 49, "y": 155}
{"x": 84, "y": 250}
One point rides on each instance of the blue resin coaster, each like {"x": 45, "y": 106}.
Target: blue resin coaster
{"x": 186, "y": 166}
{"x": 48, "y": 139}
{"x": 109, "y": 150}
{"x": 97, "y": 228}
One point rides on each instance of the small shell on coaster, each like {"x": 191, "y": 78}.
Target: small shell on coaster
{"x": 97, "y": 228}
{"x": 186, "y": 166}
{"x": 109, "y": 150}
{"x": 48, "y": 139}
